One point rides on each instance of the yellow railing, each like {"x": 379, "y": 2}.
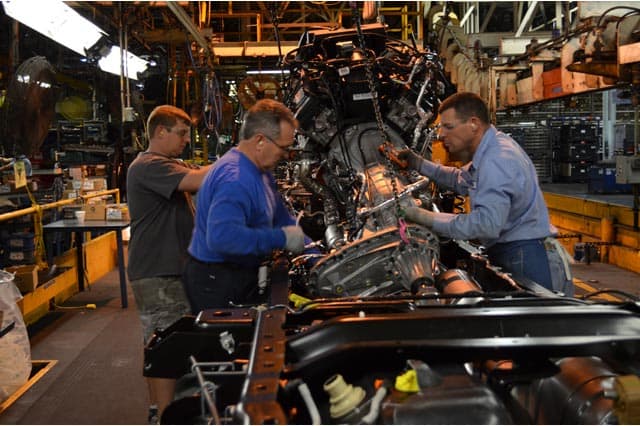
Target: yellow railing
{"x": 34, "y": 305}
{"x": 37, "y": 209}
{"x": 41, "y": 207}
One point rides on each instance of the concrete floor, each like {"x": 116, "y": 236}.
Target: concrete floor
{"x": 98, "y": 375}
{"x": 598, "y": 276}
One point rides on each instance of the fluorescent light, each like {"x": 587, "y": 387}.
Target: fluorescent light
{"x": 64, "y": 25}
{"x": 267, "y": 72}
{"x": 57, "y": 21}
{"x": 133, "y": 64}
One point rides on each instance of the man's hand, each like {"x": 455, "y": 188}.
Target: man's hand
{"x": 295, "y": 239}
{"x": 420, "y": 216}
{"x": 410, "y": 158}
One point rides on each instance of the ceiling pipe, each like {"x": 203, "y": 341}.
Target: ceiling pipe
{"x": 466, "y": 16}
{"x": 185, "y": 20}
{"x": 527, "y": 18}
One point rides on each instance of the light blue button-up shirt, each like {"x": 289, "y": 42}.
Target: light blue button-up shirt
{"x": 502, "y": 185}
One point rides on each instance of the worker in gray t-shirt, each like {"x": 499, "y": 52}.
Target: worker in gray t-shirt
{"x": 159, "y": 188}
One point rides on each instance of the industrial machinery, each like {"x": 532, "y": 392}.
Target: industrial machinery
{"x": 27, "y": 112}
{"x": 383, "y": 322}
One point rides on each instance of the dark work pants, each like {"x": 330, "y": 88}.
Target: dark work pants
{"x": 526, "y": 258}
{"x": 214, "y": 285}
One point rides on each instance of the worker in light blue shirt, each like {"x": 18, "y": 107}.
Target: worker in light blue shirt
{"x": 508, "y": 213}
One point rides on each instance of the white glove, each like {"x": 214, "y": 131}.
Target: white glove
{"x": 420, "y": 216}
{"x": 295, "y": 239}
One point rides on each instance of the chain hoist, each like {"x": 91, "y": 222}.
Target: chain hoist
{"x": 386, "y": 145}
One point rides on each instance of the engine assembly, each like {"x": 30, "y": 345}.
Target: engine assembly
{"x": 385, "y": 322}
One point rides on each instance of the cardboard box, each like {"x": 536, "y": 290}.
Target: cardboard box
{"x": 26, "y": 277}
{"x": 75, "y": 184}
{"x": 70, "y": 193}
{"x": 94, "y": 184}
{"x": 101, "y": 170}
{"x": 87, "y": 185}
{"x": 99, "y": 184}
{"x": 118, "y": 212}
{"x": 76, "y": 173}
{"x": 95, "y": 211}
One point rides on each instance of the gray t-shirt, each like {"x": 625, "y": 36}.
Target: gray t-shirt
{"x": 161, "y": 216}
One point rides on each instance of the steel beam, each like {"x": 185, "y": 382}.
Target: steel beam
{"x": 527, "y": 18}
{"x": 185, "y": 20}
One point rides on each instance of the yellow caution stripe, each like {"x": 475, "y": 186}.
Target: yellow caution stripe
{"x": 589, "y": 289}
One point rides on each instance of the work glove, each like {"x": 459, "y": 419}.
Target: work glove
{"x": 410, "y": 159}
{"x": 420, "y": 216}
{"x": 295, "y": 239}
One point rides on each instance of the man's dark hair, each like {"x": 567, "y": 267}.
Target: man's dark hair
{"x": 466, "y": 105}
{"x": 265, "y": 117}
{"x": 166, "y": 115}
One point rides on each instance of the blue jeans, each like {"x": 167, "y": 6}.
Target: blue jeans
{"x": 526, "y": 258}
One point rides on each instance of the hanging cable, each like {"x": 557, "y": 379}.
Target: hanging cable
{"x": 122, "y": 89}
{"x": 125, "y": 52}
{"x": 276, "y": 31}
{"x": 369, "y": 65}
{"x": 212, "y": 102}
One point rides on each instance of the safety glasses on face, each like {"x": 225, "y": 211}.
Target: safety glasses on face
{"x": 285, "y": 149}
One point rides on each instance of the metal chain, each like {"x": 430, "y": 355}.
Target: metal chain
{"x": 376, "y": 109}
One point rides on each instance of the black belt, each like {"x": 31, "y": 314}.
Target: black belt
{"x": 222, "y": 264}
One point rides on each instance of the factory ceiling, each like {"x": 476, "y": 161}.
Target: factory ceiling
{"x": 512, "y": 53}
{"x": 233, "y": 38}
{"x": 254, "y": 34}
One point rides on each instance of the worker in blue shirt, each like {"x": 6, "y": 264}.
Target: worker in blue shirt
{"x": 240, "y": 216}
{"x": 508, "y": 213}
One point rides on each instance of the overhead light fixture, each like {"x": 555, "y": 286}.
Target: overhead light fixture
{"x": 60, "y": 23}
{"x": 132, "y": 64}
{"x": 57, "y": 21}
{"x": 249, "y": 72}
